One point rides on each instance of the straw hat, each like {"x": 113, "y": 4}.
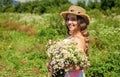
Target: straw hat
{"x": 77, "y": 10}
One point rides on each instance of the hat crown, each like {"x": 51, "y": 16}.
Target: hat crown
{"x": 77, "y": 8}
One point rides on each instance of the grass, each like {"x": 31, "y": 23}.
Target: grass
{"x": 23, "y": 38}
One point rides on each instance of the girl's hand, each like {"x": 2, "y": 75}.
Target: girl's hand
{"x": 77, "y": 68}
{"x": 50, "y": 70}
{"x": 49, "y": 67}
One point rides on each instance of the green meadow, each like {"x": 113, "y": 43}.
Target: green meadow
{"x": 23, "y": 39}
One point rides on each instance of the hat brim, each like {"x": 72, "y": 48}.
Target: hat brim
{"x": 85, "y": 16}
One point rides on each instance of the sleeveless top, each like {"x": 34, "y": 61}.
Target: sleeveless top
{"x": 75, "y": 73}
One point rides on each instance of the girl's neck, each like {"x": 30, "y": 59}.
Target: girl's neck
{"x": 76, "y": 34}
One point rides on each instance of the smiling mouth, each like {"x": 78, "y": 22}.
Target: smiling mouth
{"x": 69, "y": 26}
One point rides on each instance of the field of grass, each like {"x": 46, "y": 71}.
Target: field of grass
{"x": 23, "y": 38}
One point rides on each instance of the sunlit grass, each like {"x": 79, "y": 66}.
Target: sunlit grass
{"x": 23, "y": 38}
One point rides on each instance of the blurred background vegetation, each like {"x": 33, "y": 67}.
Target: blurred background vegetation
{"x": 25, "y": 29}
{"x": 52, "y": 6}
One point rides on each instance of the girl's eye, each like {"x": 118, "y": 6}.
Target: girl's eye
{"x": 71, "y": 19}
{"x": 67, "y": 19}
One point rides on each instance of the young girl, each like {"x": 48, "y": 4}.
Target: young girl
{"x": 76, "y": 21}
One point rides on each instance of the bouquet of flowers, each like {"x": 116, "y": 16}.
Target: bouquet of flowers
{"x": 65, "y": 53}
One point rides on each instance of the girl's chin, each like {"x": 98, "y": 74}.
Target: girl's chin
{"x": 70, "y": 32}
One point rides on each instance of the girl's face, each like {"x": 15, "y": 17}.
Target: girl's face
{"x": 72, "y": 23}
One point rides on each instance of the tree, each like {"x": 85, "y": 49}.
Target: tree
{"x": 82, "y": 4}
{"x": 107, "y": 4}
{"x": 4, "y": 3}
{"x": 94, "y": 5}
{"x": 117, "y": 3}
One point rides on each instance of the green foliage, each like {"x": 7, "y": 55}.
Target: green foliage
{"x": 23, "y": 53}
{"x": 107, "y": 4}
{"x": 55, "y": 30}
{"x": 82, "y": 4}
{"x": 4, "y": 3}
{"x": 94, "y": 5}
{"x": 54, "y": 6}
{"x": 110, "y": 6}
{"x": 104, "y": 47}
{"x": 36, "y": 6}
{"x": 104, "y": 64}
{"x": 117, "y": 3}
